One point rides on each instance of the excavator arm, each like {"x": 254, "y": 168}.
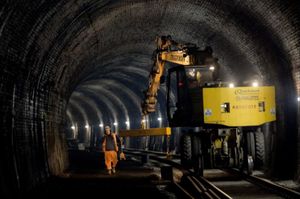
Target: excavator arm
{"x": 169, "y": 50}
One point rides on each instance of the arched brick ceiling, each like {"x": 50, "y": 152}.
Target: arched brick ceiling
{"x": 51, "y": 49}
{"x": 119, "y": 37}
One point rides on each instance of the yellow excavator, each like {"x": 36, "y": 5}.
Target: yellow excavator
{"x": 222, "y": 122}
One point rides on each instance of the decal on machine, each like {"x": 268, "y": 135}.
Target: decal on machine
{"x": 207, "y": 112}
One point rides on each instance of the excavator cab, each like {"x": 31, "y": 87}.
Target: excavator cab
{"x": 184, "y": 99}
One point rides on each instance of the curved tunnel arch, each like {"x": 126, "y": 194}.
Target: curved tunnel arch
{"x": 130, "y": 93}
{"x": 137, "y": 100}
{"x": 94, "y": 88}
{"x": 137, "y": 71}
{"x": 70, "y": 117}
{"x": 95, "y": 103}
{"x": 49, "y": 47}
{"x": 109, "y": 95}
{"x": 111, "y": 107}
{"x": 81, "y": 110}
{"x": 92, "y": 104}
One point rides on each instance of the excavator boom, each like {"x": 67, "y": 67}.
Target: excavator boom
{"x": 171, "y": 51}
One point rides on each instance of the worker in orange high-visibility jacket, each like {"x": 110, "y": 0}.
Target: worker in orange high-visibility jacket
{"x": 110, "y": 149}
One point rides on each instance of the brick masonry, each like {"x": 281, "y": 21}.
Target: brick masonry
{"x": 48, "y": 49}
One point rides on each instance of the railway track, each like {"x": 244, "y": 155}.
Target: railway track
{"x": 265, "y": 184}
{"x": 190, "y": 185}
{"x": 218, "y": 184}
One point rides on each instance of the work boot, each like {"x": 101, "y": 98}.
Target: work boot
{"x": 113, "y": 170}
{"x": 109, "y": 171}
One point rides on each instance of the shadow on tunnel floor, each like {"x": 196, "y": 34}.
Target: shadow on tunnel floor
{"x": 87, "y": 177}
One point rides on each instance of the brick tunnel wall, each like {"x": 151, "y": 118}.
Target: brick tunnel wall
{"x": 47, "y": 48}
{"x": 32, "y": 108}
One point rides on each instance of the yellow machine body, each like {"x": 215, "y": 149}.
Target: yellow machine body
{"x": 239, "y": 106}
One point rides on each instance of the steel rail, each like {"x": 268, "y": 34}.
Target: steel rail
{"x": 194, "y": 186}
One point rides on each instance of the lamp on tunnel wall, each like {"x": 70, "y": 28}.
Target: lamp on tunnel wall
{"x": 160, "y": 121}
{"x": 298, "y": 99}
{"x": 101, "y": 130}
{"x": 116, "y": 126}
{"x": 74, "y": 131}
{"x": 127, "y": 124}
{"x": 87, "y": 136}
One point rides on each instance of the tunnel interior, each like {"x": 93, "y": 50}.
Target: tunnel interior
{"x": 83, "y": 64}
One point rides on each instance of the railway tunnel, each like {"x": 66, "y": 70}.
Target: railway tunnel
{"x": 68, "y": 68}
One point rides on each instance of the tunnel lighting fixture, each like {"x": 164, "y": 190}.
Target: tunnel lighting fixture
{"x": 255, "y": 84}
{"x": 212, "y": 68}
{"x": 159, "y": 119}
{"x": 73, "y": 127}
{"x": 100, "y": 125}
{"x": 231, "y": 85}
{"x": 115, "y": 124}
{"x": 298, "y": 99}
{"x": 127, "y": 123}
{"x": 86, "y": 126}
